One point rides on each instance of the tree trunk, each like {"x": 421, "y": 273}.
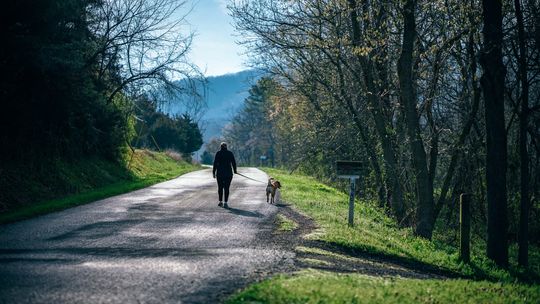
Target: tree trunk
{"x": 391, "y": 176}
{"x": 523, "y": 237}
{"x": 424, "y": 187}
{"x": 496, "y": 155}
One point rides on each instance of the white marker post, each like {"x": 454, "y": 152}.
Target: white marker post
{"x": 350, "y": 170}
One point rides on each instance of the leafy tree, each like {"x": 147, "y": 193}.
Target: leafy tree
{"x": 207, "y": 158}
{"x": 52, "y": 101}
{"x": 159, "y": 131}
{"x": 250, "y": 131}
{"x": 70, "y": 70}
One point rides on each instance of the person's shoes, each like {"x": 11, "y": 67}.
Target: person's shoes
{"x": 220, "y": 204}
{"x": 225, "y": 205}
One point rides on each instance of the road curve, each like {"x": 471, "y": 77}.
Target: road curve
{"x": 169, "y": 243}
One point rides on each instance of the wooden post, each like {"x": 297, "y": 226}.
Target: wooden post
{"x": 351, "y": 202}
{"x": 155, "y": 142}
{"x": 464, "y": 227}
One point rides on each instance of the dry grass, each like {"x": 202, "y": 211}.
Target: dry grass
{"x": 174, "y": 155}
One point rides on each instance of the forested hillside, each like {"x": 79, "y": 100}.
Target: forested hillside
{"x": 72, "y": 73}
{"x": 223, "y": 97}
{"x": 437, "y": 98}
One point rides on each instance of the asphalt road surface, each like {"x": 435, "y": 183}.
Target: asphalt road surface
{"x": 169, "y": 243}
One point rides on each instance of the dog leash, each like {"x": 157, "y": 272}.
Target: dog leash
{"x": 250, "y": 178}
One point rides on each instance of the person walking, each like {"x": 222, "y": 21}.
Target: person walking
{"x": 224, "y": 166}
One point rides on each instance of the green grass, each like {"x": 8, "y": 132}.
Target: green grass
{"x": 286, "y": 224}
{"x": 378, "y": 235}
{"x": 312, "y": 286}
{"x": 95, "y": 179}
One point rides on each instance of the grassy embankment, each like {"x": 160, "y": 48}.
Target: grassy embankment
{"x": 75, "y": 183}
{"x": 377, "y": 235}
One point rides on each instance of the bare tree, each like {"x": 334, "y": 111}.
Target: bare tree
{"x": 148, "y": 40}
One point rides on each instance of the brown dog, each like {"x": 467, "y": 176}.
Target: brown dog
{"x": 271, "y": 189}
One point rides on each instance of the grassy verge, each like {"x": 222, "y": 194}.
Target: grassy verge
{"x": 378, "y": 235}
{"x": 312, "y": 286}
{"x": 92, "y": 180}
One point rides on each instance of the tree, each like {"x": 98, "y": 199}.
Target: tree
{"x": 70, "y": 70}
{"x": 160, "y": 131}
{"x": 189, "y": 134}
{"x": 424, "y": 187}
{"x": 207, "y": 158}
{"x": 523, "y": 235}
{"x": 140, "y": 46}
{"x": 496, "y": 155}
{"x": 53, "y": 102}
{"x": 250, "y": 131}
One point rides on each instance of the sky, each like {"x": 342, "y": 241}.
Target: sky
{"x": 214, "y": 49}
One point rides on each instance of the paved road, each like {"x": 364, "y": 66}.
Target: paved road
{"x": 169, "y": 243}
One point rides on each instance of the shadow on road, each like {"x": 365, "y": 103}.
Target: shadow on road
{"x": 244, "y": 212}
{"x": 82, "y": 253}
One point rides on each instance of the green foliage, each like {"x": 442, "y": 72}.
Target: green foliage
{"x": 67, "y": 184}
{"x": 324, "y": 287}
{"x": 53, "y": 103}
{"x": 207, "y": 158}
{"x": 250, "y": 133}
{"x": 179, "y": 133}
{"x": 284, "y": 127}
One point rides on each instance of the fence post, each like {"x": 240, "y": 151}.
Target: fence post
{"x": 464, "y": 227}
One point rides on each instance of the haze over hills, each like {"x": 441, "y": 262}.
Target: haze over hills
{"x": 225, "y": 95}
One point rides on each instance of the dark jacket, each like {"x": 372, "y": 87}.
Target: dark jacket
{"x": 224, "y": 164}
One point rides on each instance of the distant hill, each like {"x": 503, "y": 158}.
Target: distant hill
{"x": 225, "y": 95}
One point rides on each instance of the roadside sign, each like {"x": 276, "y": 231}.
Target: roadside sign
{"x": 351, "y": 170}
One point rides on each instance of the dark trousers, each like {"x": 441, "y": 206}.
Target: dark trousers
{"x": 223, "y": 186}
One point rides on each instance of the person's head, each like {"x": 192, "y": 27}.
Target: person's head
{"x": 223, "y": 146}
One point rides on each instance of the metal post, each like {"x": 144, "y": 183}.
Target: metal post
{"x": 351, "y": 202}
{"x": 465, "y": 227}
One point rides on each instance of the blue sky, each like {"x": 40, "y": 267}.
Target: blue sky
{"x": 214, "y": 49}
